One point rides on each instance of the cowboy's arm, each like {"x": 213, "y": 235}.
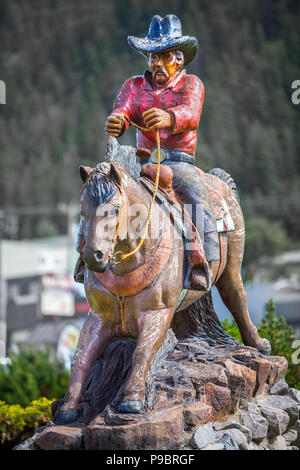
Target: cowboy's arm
{"x": 186, "y": 116}
{"x": 116, "y": 125}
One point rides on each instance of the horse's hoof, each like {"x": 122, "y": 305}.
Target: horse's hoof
{"x": 67, "y": 416}
{"x": 131, "y": 406}
{"x": 266, "y": 347}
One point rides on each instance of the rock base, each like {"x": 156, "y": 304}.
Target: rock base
{"x": 268, "y": 422}
{"x": 189, "y": 386}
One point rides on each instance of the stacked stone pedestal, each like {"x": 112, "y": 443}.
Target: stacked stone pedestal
{"x": 268, "y": 422}
{"x": 193, "y": 390}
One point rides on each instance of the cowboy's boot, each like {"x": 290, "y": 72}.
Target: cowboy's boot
{"x": 198, "y": 274}
{"x": 79, "y": 271}
{"x": 198, "y": 271}
{"x": 200, "y": 278}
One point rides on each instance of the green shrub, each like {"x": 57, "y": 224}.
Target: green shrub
{"x": 18, "y": 423}
{"x": 232, "y": 329}
{"x": 281, "y": 336}
{"x": 32, "y": 374}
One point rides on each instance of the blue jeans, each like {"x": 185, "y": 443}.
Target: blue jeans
{"x": 189, "y": 185}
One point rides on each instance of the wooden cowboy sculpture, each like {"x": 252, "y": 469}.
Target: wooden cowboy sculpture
{"x": 139, "y": 290}
{"x": 169, "y": 99}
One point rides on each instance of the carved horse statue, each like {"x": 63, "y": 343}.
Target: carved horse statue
{"x": 138, "y": 296}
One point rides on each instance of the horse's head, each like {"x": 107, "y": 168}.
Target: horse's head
{"x": 100, "y": 208}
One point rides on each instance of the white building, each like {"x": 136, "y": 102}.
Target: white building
{"x": 37, "y": 295}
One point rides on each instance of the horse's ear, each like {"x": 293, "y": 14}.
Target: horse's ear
{"x": 115, "y": 174}
{"x": 85, "y": 172}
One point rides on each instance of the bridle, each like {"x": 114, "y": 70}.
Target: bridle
{"x": 117, "y": 257}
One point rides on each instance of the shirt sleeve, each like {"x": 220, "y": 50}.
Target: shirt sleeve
{"x": 123, "y": 103}
{"x": 186, "y": 116}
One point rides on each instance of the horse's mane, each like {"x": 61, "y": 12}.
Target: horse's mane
{"x": 124, "y": 156}
{"x": 100, "y": 187}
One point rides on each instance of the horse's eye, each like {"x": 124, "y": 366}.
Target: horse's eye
{"x": 115, "y": 211}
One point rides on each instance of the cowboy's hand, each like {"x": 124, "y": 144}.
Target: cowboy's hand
{"x": 157, "y": 118}
{"x": 114, "y": 125}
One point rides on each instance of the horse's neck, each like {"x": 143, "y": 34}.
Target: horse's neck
{"x": 131, "y": 199}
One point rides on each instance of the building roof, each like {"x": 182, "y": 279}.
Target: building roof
{"x": 34, "y": 257}
{"x": 289, "y": 257}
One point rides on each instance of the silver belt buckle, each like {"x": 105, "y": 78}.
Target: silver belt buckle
{"x": 154, "y": 156}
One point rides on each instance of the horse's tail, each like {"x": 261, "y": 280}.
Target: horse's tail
{"x": 227, "y": 178}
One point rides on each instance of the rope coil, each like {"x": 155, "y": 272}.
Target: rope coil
{"x": 120, "y": 254}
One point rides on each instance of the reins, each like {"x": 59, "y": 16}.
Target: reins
{"x": 119, "y": 254}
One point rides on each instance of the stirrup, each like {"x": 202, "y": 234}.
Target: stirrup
{"x": 199, "y": 278}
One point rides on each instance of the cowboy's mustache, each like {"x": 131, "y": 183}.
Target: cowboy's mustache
{"x": 160, "y": 70}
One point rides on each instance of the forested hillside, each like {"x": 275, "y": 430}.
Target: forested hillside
{"x": 63, "y": 62}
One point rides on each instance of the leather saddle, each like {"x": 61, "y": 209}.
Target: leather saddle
{"x": 167, "y": 196}
{"x": 215, "y": 193}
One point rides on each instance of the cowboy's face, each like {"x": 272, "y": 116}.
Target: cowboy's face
{"x": 164, "y": 65}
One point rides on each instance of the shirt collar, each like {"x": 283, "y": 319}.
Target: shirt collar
{"x": 149, "y": 85}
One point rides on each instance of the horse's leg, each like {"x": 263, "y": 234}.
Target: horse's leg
{"x": 93, "y": 339}
{"x": 153, "y": 327}
{"x": 231, "y": 289}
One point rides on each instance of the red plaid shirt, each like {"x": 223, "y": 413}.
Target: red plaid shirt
{"x": 183, "y": 98}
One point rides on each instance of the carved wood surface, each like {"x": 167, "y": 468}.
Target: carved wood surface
{"x": 201, "y": 376}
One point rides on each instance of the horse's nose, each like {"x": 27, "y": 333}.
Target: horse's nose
{"x": 98, "y": 255}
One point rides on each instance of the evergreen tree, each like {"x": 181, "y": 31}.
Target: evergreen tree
{"x": 63, "y": 63}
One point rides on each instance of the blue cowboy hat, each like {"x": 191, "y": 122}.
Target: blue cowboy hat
{"x": 165, "y": 34}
